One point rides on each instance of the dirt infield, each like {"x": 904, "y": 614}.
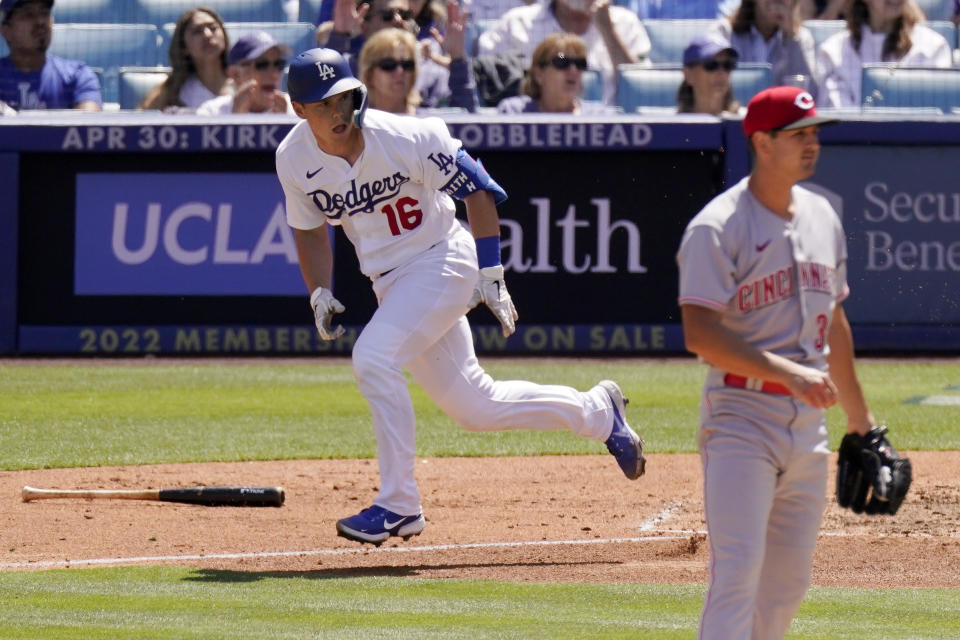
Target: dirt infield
{"x": 567, "y": 518}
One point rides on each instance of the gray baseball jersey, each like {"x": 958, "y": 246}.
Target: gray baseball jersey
{"x": 775, "y": 281}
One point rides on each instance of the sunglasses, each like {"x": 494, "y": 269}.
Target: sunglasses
{"x": 562, "y": 62}
{"x": 387, "y": 14}
{"x": 390, "y": 64}
{"x": 727, "y": 65}
{"x": 263, "y": 65}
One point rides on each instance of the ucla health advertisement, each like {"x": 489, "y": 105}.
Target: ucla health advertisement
{"x": 183, "y": 234}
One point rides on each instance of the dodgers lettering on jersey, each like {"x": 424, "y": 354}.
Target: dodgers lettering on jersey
{"x": 390, "y": 202}
{"x": 360, "y": 199}
{"x": 776, "y": 282}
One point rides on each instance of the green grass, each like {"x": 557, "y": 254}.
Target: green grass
{"x": 94, "y": 415}
{"x": 80, "y": 415}
{"x": 153, "y": 602}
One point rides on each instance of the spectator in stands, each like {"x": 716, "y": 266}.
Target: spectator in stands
{"x": 390, "y": 68}
{"x": 475, "y": 10}
{"x": 673, "y": 9}
{"x": 429, "y": 16}
{"x": 821, "y": 9}
{"x": 877, "y": 31}
{"x": 613, "y": 35}
{"x": 478, "y": 10}
{"x": 770, "y": 31}
{"x": 443, "y": 68}
{"x": 198, "y": 59}
{"x": 554, "y": 82}
{"x": 356, "y": 20}
{"x": 30, "y": 78}
{"x": 256, "y": 67}
{"x": 707, "y": 63}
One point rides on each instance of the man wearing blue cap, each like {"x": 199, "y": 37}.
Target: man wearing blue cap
{"x": 256, "y": 63}
{"x": 387, "y": 180}
{"x": 29, "y": 77}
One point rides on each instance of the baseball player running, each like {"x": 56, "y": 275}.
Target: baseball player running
{"x": 387, "y": 180}
{"x": 762, "y": 278}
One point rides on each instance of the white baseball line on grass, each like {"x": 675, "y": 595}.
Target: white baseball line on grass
{"x": 663, "y": 534}
{"x": 330, "y": 552}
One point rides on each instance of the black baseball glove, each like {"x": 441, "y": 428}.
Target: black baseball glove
{"x": 871, "y": 476}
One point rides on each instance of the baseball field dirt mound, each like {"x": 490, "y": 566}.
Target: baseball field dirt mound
{"x": 551, "y": 518}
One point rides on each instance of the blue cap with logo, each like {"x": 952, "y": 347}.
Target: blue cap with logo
{"x": 704, "y": 47}
{"x": 253, "y": 45}
{"x": 6, "y": 6}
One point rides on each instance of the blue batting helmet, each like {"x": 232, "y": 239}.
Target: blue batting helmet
{"x": 317, "y": 74}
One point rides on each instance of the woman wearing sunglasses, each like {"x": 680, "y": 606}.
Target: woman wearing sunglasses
{"x": 390, "y": 68}
{"x": 554, "y": 82}
{"x": 771, "y": 31}
{"x": 256, "y": 66}
{"x": 707, "y": 64}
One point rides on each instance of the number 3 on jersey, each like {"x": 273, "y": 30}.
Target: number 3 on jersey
{"x": 821, "y": 340}
{"x": 404, "y": 215}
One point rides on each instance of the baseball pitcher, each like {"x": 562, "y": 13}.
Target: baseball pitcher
{"x": 762, "y": 279}
{"x": 387, "y": 181}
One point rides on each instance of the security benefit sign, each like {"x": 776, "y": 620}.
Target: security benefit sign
{"x": 901, "y": 213}
{"x": 183, "y": 234}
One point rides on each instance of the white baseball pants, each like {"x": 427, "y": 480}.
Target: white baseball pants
{"x": 420, "y": 324}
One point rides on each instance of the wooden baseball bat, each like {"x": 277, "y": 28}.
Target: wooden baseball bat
{"x": 232, "y": 496}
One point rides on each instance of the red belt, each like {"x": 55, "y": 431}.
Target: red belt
{"x": 733, "y": 380}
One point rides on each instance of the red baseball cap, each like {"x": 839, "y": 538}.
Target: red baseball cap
{"x": 782, "y": 109}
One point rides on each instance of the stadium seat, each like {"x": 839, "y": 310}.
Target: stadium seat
{"x": 899, "y": 87}
{"x": 750, "y": 78}
{"x": 936, "y": 9}
{"x": 823, "y": 29}
{"x": 639, "y": 86}
{"x": 668, "y": 38}
{"x": 108, "y": 46}
{"x": 947, "y": 29}
{"x": 299, "y": 36}
{"x": 592, "y": 85}
{"x": 92, "y": 11}
{"x": 160, "y": 12}
{"x": 136, "y": 82}
{"x": 309, "y": 10}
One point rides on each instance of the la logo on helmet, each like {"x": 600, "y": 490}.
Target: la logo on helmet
{"x": 804, "y": 101}
{"x": 327, "y": 72}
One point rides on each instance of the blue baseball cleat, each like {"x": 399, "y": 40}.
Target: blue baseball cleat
{"x": 625, "y": 445}
{"x": 376, "y": 524}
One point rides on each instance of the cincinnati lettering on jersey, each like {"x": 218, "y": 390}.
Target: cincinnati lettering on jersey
{"x": 782, "y": 284}
{"x": 358, "y": 199}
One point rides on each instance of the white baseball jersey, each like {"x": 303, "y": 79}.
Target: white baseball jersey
{"x": 388, "y": 202}
{"x": 776, "y": 281}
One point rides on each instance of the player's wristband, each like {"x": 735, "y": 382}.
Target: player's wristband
{"x": 488, "y": 251}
